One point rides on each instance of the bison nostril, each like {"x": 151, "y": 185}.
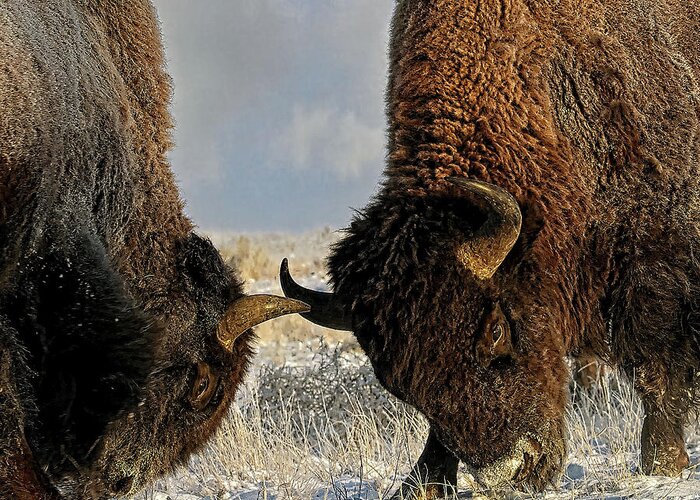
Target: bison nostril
{"x": 123, "y": 485}
{"x": 527, "y": 467}
{"x": 524, "y": 469}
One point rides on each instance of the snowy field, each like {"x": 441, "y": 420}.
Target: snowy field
{"x": 313, "y": 423}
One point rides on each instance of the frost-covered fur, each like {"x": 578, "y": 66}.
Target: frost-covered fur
{"x": 588, "y": 113}
{"x": 107, "y": 298}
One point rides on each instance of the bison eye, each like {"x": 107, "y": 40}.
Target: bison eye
{"x": 497, "y": 333}
{"x": 494, "y": 345}
{"x": 204, "y": 387}
{"x": 203, "y": 384}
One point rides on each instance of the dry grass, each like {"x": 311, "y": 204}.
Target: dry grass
{"x": 258, "y": 256}
{"x": 324, "y": 428}
{"x": 299, "y": 429}
{"x": 249, "y": 257}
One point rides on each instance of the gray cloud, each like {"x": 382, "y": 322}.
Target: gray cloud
{"x": 276, "y": 89}
{"x": 330, "y": 139}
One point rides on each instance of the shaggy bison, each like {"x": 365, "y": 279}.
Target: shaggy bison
{"x": 541, "y": 199}
{"x": 123, "y": 335}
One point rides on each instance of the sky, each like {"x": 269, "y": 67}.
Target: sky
{"x": 279, "y": 109}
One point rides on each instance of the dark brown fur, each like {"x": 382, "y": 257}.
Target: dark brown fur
{"x": 108, "y": 300}
{"x": 588, "y": 112}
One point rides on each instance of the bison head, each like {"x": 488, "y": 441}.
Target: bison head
{"x": 128, "y": 395}
{"x": 454, "y": 327}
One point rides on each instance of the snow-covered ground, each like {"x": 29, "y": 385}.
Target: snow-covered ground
{"x": 321, "y": 428}
{"x": 313, "y": 423}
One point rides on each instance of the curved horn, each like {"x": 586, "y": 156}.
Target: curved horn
{"x": 251, "y": 310}
{"x": 326, "y": 309}
{"x": 489, "y": 246}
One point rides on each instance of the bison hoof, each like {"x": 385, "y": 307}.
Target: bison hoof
{"x": 664, "y": 460}
{"x": 663, "y": 446}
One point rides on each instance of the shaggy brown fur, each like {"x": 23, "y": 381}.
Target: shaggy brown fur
{"x": 108, "y": 301}
{"x": 588, "y": 113}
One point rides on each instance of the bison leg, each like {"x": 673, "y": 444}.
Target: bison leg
{"x": 665, "y": 408}
{"x": 434, "y": 475}
{"x": 663, "y": 446}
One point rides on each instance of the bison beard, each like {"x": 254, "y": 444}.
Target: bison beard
{"x": 91, "y": 347}
{"x": 587, "y": 114}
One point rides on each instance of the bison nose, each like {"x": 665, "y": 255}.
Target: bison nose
{"x": 123, "y": 486}
{"x": 516, "y": 466}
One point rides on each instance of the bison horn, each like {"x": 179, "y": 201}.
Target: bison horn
{"x": 326, "y": 309}
{"x": 489, "y": 246}
{"x": 251, "y": 310}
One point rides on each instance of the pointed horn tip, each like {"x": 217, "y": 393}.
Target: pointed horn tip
{"x": 286, "y": 280}
{"x": 325, "y": 310}
{"x": 283, "y": 305}
{"x": 492, "y": 242}
{"x": 298, "y": 307}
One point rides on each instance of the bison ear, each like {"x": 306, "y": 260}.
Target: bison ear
{"x": 494, "y": 341}
{"x": 202, "y": 263}
{"x": 491, "y": 243}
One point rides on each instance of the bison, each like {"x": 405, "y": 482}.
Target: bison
{"x": 123, "y": 335}
{"x": 541, "y": 199}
